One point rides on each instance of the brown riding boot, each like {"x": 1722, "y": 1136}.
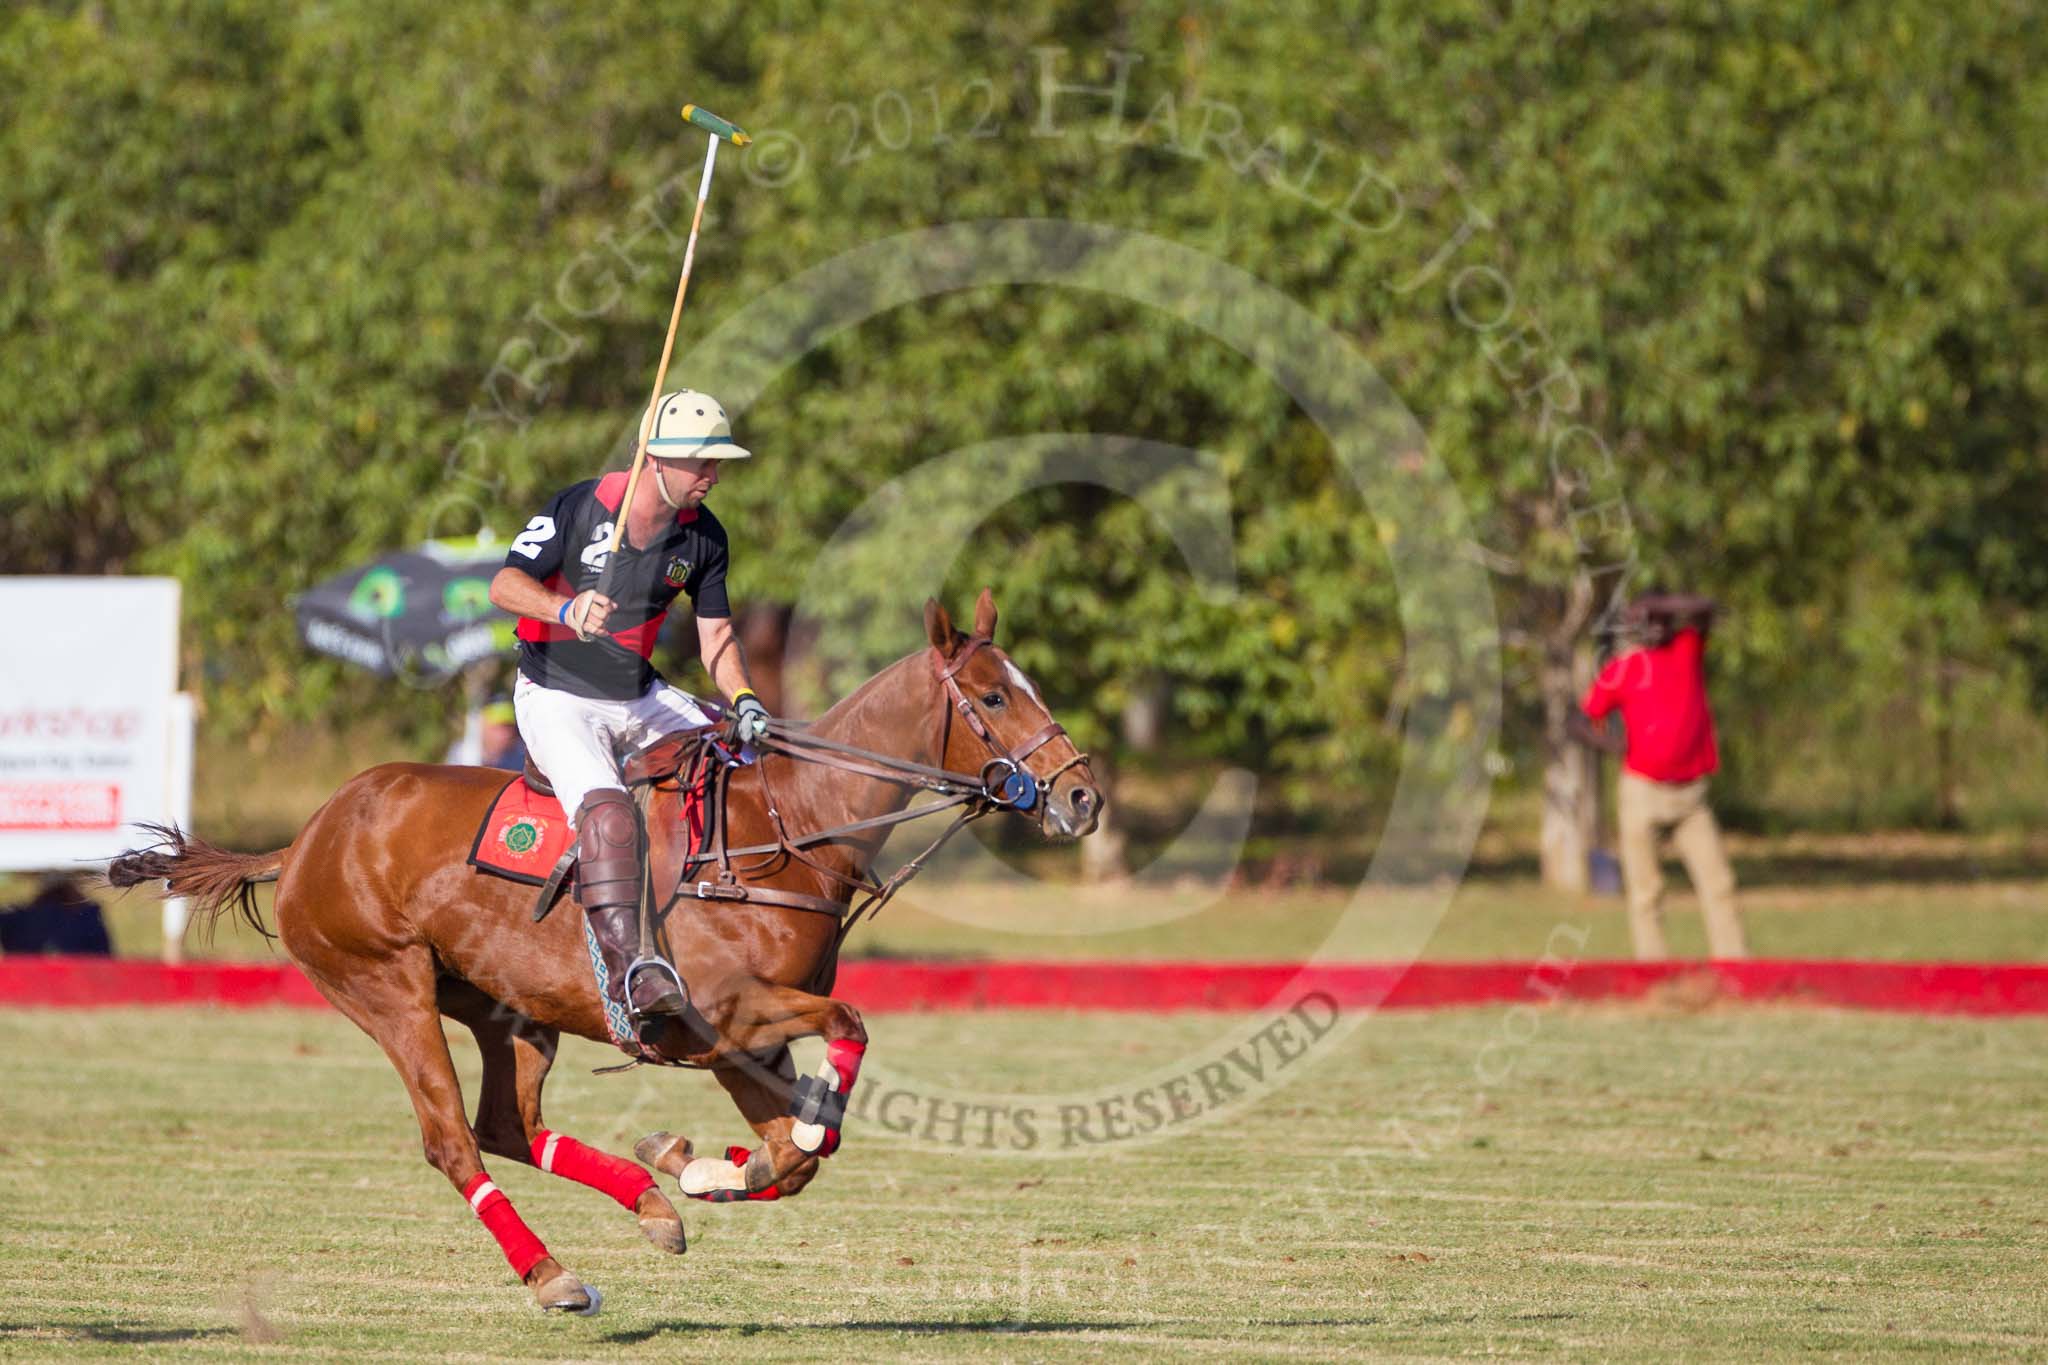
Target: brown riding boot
{"x": 608, "y": 875}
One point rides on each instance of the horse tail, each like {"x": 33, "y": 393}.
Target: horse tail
{"x": 213, "y": 878}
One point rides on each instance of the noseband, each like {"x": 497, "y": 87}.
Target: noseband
{"x": 1004, "y": 776}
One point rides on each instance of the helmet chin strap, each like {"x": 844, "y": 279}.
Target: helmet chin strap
{"x": 661, "y": 487}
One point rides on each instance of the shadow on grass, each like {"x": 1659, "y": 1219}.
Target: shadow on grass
{"x": 1821, "y": 870}
{"x": 1814, "y": 869}
{"x": 956, "y": 1326}
{"x": 114, "y": 1333}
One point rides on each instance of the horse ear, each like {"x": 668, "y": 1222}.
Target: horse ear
{"x": 938, "y": 627}
{"x": 985, "y": 614}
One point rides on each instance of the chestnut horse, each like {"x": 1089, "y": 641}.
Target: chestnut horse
{"x": 378, "y": 906}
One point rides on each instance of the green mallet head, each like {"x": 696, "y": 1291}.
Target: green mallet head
{"x": 716, "y": 126}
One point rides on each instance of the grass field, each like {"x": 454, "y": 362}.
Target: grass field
{"x": 1936, "y": 909}
{"x": 1625, "y": 1183}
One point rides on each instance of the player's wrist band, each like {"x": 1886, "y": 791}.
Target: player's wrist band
{"x": 743, "y": 693}
{"x": 563, "y": 614}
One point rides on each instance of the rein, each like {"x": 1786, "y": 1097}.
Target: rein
{"x": 971, "y": 795}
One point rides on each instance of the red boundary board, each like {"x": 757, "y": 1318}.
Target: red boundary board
{"x": 885, "y": 985}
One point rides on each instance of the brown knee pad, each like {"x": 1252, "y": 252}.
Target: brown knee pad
{"x": 607, "y": 851}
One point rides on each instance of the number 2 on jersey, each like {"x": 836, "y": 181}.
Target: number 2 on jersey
{"x": 538, "y": 532}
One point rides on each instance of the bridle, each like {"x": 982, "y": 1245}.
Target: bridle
{"x": 1003, "y": 783}
{"x": 1014, "y": 786}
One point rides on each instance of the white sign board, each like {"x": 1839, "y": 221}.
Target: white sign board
{"x": 93, "y": 733}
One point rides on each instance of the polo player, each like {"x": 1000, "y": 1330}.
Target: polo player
{"x": 587, "y": 694}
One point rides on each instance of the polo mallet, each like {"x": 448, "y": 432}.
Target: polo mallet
{"x": 718, "y": 130}
{"x": 649, "y": 957}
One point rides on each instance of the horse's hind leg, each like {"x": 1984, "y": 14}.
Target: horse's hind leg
{"x": 797, "y": 1121}
{"x": 517, "y": 1054}
{"x": 391, "y": 998}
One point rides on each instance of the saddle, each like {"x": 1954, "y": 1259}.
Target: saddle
{"x": 524, "y": 836}
{"x": 650, "y": 767}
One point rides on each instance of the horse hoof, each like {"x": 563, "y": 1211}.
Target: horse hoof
{"x": 666, "y": 1233}
{"x": 665, "y": 1152}
{"x": 564, "y": 1293}
{"x": 660, "y": 1224}
{"x": 706, "y": 1174}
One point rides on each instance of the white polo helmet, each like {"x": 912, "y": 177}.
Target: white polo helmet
{"x": 692, "y": 426}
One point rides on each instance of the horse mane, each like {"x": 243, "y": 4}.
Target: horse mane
{"x": 841, "y": 712}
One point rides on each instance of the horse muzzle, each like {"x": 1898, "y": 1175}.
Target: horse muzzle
{"x": 1074, "y": 810}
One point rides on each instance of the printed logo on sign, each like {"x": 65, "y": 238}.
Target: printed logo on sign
{"x": 378, "y": 595}
{"x": 60, "y": 805}
{"x": 522, "y": 835}
{"x": 677, "y": 573}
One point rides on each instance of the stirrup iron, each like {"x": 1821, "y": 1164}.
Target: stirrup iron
{"x": 661, "y": 967}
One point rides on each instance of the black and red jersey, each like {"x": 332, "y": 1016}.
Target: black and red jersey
{"x": 564, "y": 548}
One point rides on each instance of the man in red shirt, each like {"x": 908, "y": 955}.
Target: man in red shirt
{"x": 1660, "y": 690}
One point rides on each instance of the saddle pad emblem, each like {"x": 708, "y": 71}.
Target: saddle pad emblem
{"x": 677, "y": 573}
{"x": 521, "y": 836}
{"x": 524, "y": 834}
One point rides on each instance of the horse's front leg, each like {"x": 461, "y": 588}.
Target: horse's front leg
{"x": 798, "y": 1121}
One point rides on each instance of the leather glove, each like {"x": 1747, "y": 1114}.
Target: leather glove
{"x": 749, "y": 718}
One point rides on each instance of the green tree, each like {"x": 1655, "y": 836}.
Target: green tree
{"x": 1747, "y": 300}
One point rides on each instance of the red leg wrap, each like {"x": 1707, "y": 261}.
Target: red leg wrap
{"x": 515, "y": 1239}
{"x": 738, "y": 1155}
{"x": 845, "y": 1055}
{"x": 570, "y": 1159}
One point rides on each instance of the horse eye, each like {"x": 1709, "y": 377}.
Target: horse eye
{"x": 992, "y": 700}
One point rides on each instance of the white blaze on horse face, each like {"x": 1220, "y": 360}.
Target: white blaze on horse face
{"x": 1024, "y": 683}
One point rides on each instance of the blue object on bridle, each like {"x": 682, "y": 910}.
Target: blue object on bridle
{"x": 1019, "y": 791}
{"x": 1005, "y": 783}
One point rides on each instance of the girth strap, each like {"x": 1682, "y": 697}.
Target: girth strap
{"x": 755, "y": 895}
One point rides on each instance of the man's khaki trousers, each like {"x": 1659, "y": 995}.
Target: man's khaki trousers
{"x": 1647, "y": 809}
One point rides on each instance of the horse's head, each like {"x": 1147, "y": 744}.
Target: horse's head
{"x": 996, "y": 723}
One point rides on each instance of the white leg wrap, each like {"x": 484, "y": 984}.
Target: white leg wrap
{"x": 711, "y": 1173}
{"x": 809, "y": 1137}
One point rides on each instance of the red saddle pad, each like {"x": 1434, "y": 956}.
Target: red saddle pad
{"x": 522, "y": 836}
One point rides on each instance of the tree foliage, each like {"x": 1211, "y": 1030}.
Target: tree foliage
{"x": 1745, "y": 298}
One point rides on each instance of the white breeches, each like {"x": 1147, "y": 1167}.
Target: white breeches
{"x": 578, "y": 742}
